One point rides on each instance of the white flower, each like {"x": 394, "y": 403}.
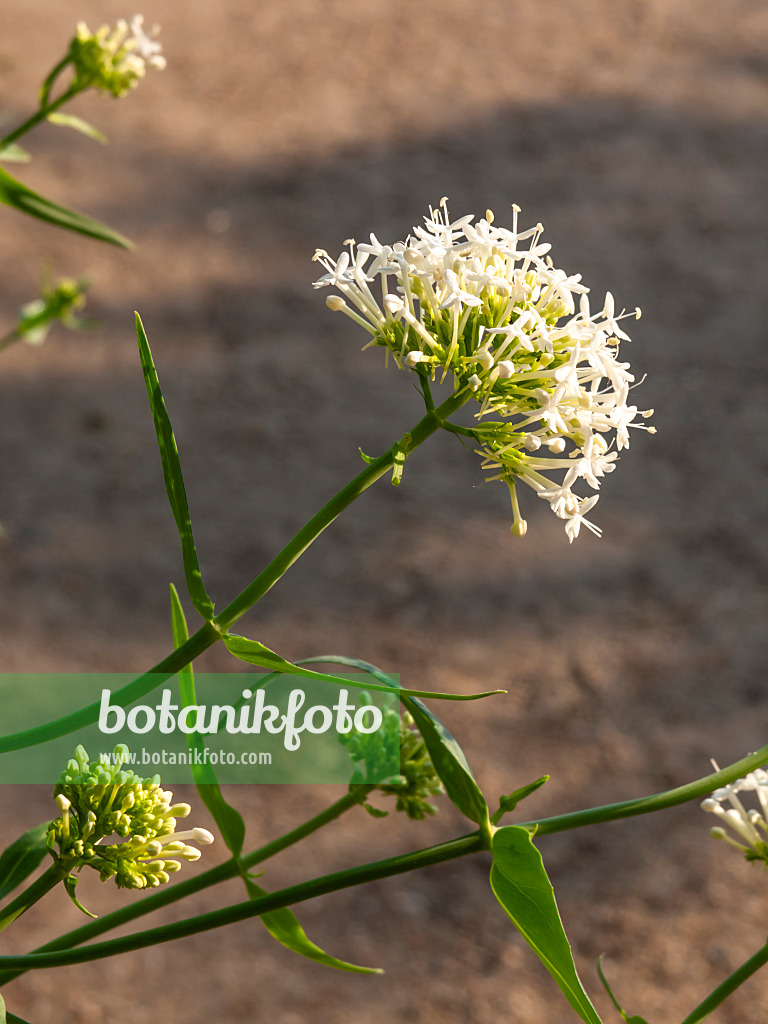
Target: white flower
{"x": 469, "y": 298}
{"x": 750, "y": 825}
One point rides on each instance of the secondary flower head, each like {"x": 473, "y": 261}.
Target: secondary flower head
{"x": 58, "y": 302}
{"x": 750, "y": 825}
{"x": 114, "y": 59}
{"x": 487, "y": 305}
{"x": 101, "y": 800}
{"x": 417, "y": 780}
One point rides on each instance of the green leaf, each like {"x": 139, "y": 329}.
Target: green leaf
{"x": 255, "y": 653}
{"x": 11, "y": 1018}
{"x": 79, "y": 125}
{"x": 281, "y": 924}
{"x": 14, "y": 193}
{"x": 70, "y": 884}
{"x": 229, "y": 821}
{"x": 284, "y": 926}
{"x": 629, "y": 1020}
{"x": 520, "y": 884}
{"x": 174, "y": 482}
{"x": 14, "y": 154}
{"x": 509, "y": 803}
{"x": 21, "y": 858}
{"x": 450, "y": 763}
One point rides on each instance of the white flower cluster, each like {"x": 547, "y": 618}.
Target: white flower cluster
{"x": 115, "y": 59}
{"x": 470, "y": 299}
{"x": 749, "y": 825}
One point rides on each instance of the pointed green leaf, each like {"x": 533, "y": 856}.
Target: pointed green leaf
{"x": 3, "y": 1016}
{"x": 629, "y": 1020}
{"x": 21, "y": 858}
{"x": 14, "y": 154}
{"x": 11, "y": 1018}
{"x": 507, "y": 804}
{"x": 283, "y": 925}
{"x": 520, "y": 884}
{"x": 70, "y": 884}
{"x": 14, "y": 193}
{"x": 450, "y": 763}
{"x": 255, "y": 653}
{"x": 79, "y": 125}
{"x": 174, "y": 482}
{"x": 229, "y": 821}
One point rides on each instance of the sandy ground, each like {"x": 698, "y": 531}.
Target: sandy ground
{"x": 636, "y": 131}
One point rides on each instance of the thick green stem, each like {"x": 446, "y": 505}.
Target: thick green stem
{"x": 321, "y": 886}
{"x": 721, "y": 993}
{"x": 427, "y": 426}
{"x": 180, "y": 890}
{"x": 209, "y": 633}
{"x": 34, "y": 892}
{"x": 647, "y": 804}
{"x": 37, "y": 117}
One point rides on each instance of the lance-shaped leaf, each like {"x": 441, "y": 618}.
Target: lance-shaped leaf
{"x": 255, "y": 653}
{"x": 450, "y": 763}
{"x": 228, "y": 820}
{"x": 14, "y": 193}
{"x": 284, "y": 926}
{"x": 507, "y": 804}
{"x": 520, "y": 884}
{"x": 21, "y": 858}
{"x": 174, "y": 482}
{"x": 79, "y": 125}
{"x": 634, "y": 1019}
{"x": 14, "y": 154}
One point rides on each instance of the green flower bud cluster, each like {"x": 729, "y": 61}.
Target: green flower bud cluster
{"x": 113, "y": 60}
{"x": 417, "y": 780}
{"x": 103, "y": 800}
{"x": 58, "y": 302}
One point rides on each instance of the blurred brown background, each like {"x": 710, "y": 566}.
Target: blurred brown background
{"x": 636, "y": 130}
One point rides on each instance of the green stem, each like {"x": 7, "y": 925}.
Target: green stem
{"x": 427, "y": 426}
{"x": 721, "y": 993}
{"x": 209, "y": 632}
{"x": 221, "y": 873}
{"x": 321, "y": 886}
{"x": 646, "y": 804}
{"x": 37, "y": 117}
{"x": 34, "y": 892}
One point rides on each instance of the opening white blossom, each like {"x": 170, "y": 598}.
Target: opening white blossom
{"x": 469, "y": 299}
{"x": 750, "y": 825}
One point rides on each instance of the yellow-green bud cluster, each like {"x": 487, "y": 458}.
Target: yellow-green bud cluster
{"x": 417, "y": 779}
{"x": 104, "y": 800}
{"x": 58, "y": 302}
{"x": 113, "y": 60}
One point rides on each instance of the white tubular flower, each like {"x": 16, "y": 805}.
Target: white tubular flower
{"x": 473, "y": 300}
{"x": 750, "y": 826}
